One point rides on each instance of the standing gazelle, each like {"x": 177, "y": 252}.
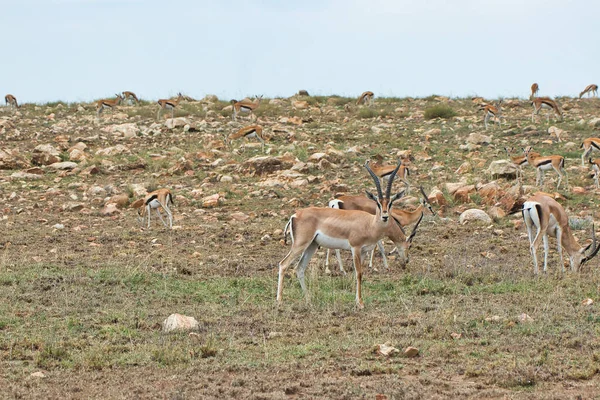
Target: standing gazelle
{"x": 544, "y": 163}
{"x": 11, "y": 101}
{"x": 337, "y": 229}
{"x": 535, "y": 88}
{"x": 106, "y": 103}
{"x": 519, "y": 161}
{"x": 160, "y": 198}
{"x": 595, "y": 165}
{"x": 127, "y": 95}
{"x": 590, "y": 90}
{"x": 396, "y": 234}
{"x": 492, "y": 112}
{"x": 248, "y": 132}
{"x": 366, "y": 98}
{"x": 168, "y": 104}
{"x": 545, "y": 102}
{"x": 245, "y": 106}
{"x": 588, "y": 146}
{"x": 549, "y": 218}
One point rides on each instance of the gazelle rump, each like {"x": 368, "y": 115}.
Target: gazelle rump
{"x": 395, "y": 234}
{"x": 589, "y": 145}
{"x": 107, "y": 103}
{"x": 337, "y": 229}
{"x": 544, "y": 163}
{"x": 127, "y": 95}
{"x": 168, "y": 104}
{"x": 160, "y": 198}
{"x": 548, "y": 218}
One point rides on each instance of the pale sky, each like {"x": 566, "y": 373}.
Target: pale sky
{"x": 80, "y": 50}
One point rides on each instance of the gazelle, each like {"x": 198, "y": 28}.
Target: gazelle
{"x": 245, "y": 106}
{"x": 248, "y": 132}
{"x": 401, "y": 217}
{"x": 153, "y": 201}
{"x": 338, "y": 229}
{"x": 168, "y": 104}
{"x": 106, "y": 103}
{"x": 519, "y": 161}
{"x": 544, "y": 163}
{"x": 549, "y": 218}
{"x": 588, "y": 146}
{"x": 590, "y": 90}
{"x": 545, "y": 102}
{"x": 11, "y": 101}
{"x": 366, "y": 98}
{"x": 384, "y": 172}
{"x": 595, "y": 165}
{"x": 534, "y": 91}
{"x": 127, "y": 95}
{"x": 492, "y": 112}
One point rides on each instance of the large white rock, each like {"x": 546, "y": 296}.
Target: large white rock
{"x": 502, "y": 169}
{"x": 178, "y": 322}
{"x": 65, "y": 165}
{"x": 474, "y": 214}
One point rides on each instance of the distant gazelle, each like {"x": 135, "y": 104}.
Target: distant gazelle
{"x": 534, "y": 91}
{"x": 245, "y": 106}
{"x": 545, "y": 102}
{"x": 366, "y": 98}
{"x": 107, "y": 103}
{"x": 492, "y": 112}
{"x": 589, "y": 145}
{"x": 168, "y": 104}
{"x": 127, "y": 95}
{"x": 160, "y": 198}
{"x": 519, "y": 161}
{"x": 250, "y": 131}
{"x": 544, "y": 163}
{"x": 595, "y": 165}
{"x": 548, "y": 218}
{"x": 384, "y": 172}
{"x": 11, "y": 101}
{"x": 590, "y": 90}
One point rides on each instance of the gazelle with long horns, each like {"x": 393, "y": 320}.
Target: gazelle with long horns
{"x": 545, "y": 102}
{"x": 548, "y": 218}
{"x": 589, "y": 145}
{"x": 544, "y": 163}
{"x": 11, "y": 101}
{"x": 250, "y": 131}
{"x": 397, "y": 235}
{"x": 366, "y": 98}
{"x": 535, "y": 88}
{"x": 127, "y": 95}
{"x": 168, "y": 104}
{"x": 245, "y": 106}
{"x": 590, "y": 90}
{"x": 338, "y": 229}
{"x": 155, "y": 200}
{"x": 492, "y": 112}
{"x": 107, "y": 103}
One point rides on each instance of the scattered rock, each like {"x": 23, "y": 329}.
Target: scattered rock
{"x": 474, "y": 214}
{"x": 62, "y": 166}
{"x": 411, "y": 352}
{"x": 502, "y": 169}
{"x": 45, "y": 154}
{"x": 211, "y": 201}
{"x": 178, "y": 322}
{"x": 386, "y": 349}
{"x": 587, "y": 302}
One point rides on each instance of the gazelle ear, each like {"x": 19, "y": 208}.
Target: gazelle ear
{"x": 396, "y": 197}
{"x": 370, "y": 195}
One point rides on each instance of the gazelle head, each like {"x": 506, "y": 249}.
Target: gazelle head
{"x": 579, "y": 258}
{"x": 404, "y": 247}
{"x": 119, "y": 98}
{"x": 425, "y": 201}
{"x": 509, "y": 150}
{"x": 257, "y": 99}
{"x": 527, "y": 151}
{"x": 384, "y": 204}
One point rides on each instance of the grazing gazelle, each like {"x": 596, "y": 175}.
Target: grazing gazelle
{"x": 545, "y": 102}
{"x": 519, "y": 161}
{"x": 127, "y": 95}
{"x": 595, "y": 165}
{"x": 160, "y": 198}
{"x": 366, "y": 98}
{"x": 401, "y": 217}
{"x": 338, "y": 229}
{"x": 588, "y": 146}
{"x": 544, "y": 163}
{"x": 106, "y": 103}
{"x": 245, "y": 106}
{"x": 492, "y": 112}
{"x": 549, "y": 218}
{"x": 248, "y": 132}
{"x": 168, "y": 104}
{"x": 534, "y": 91}
{"x": 11, "y": 101}
{"x": 590, "y": 90}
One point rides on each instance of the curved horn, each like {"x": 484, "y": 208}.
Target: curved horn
{"x": 388, "y": 190}
{"x": 414, "y": 231}
{"x": 375, "y": 178}
{"x": 423, "y": 192}
{"x": 595, "y": 247}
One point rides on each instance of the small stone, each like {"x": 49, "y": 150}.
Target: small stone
{"x": 411, "y": 352}
{"x": 58, "y": 226}
{"x": 587, "y": 302}
{"x": 474, "y": 214}
{"x": 178, "y": 322}
{"x": 38, "y": 374}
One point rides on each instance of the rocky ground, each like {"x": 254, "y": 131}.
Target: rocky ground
{"x": 84, "y": 290}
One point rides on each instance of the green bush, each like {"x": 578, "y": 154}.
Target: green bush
{"x": 439, "y": 111}
{"x": 366, "y": 113}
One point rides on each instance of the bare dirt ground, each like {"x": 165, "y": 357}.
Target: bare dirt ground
{"x": 83, "y": 295}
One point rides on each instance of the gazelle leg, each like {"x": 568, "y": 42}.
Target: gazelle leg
{"x": 169, "y": 215}
{"x": 383, "y": 257}
{"x": 306, "y": 256}
{"x": 371, "y": 258}
{"x": 338, "y": 255}
{"x": 559, "y": 246}
{"x": 291, "y": 257}
{"x": 546, "y": 248}
{"x": 485, "y": 120}
{"x": 327, "y": 270}
{"x": 584, "y": 155}
{"x": 358, "y": 269}
{"x": 148, "y": 210}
